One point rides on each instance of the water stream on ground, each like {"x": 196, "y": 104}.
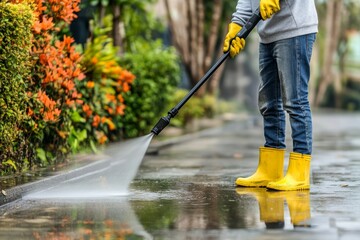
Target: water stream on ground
{"x": 112, "y": 179}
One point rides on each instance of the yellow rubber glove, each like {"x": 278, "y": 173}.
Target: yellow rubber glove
{"x": 268, "y": 8}
{"x": 233, "y": 43}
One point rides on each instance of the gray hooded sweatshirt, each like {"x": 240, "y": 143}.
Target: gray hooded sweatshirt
{"x": 296, "y": 18}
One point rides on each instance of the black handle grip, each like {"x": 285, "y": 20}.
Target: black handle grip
{"x": 250, "y": 24}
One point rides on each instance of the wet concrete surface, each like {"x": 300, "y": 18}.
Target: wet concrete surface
{"x": 187, "y": 191}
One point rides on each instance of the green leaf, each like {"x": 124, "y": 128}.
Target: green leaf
{"x": 41, "y": 154}
{"x": 81, "y": 136}
{"x": 93, "y": 147}
{"x": 75, "y": 117}
{"x": 10, "y": 163}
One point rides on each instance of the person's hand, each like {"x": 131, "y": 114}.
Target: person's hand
{"x": 268, "y": 8}
{"x": 233, "y": 43}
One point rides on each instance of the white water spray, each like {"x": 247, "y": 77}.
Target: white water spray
{"x": 111, "y": 180}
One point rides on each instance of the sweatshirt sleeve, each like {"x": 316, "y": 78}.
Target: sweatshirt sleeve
{"x": 243, "y": 12}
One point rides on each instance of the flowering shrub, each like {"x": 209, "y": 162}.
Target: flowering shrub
{"x": 103, "y": 92}
{"x": 51, "y": 87}
{"x": 51, "y": 106}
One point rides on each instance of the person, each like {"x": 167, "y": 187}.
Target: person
{"x": 287, "y": 34}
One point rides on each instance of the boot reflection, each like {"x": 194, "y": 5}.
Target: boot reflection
{"x": 299, "y": 207}
{"x": 271, "y": 206}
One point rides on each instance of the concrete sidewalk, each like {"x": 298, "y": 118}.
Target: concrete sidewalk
{"x": 185, "y": 189}
{"x": 199, "y": 173}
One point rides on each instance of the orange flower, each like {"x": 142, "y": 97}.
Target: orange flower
{"x": 37, "y": 27}
{"x": 81, "y": 76}
{"x": 110, "y": 124}
{"x": 100, "y": 137}
{"x": 110, "y": 97}
{"x": 94, "y": 60}
{"x": 110, "y": 64}
{"x": 120, "y": 109}
{"x": 116, "y": 70}
{"x": 69, "y": 85}
{"x": 55, "y": 8}
{"x": 110, "y": 110}
{"x": 126, "y": 87}
{"x": 48, "y": 103}
{"x": 45, "y": 25}
{"x": 52, "y": 115}
{"x": 127, "y": 76}
{"x": 43, "y": 59}
{"x": 69, "y": 102}
{"x": 103, "y": 139}
{"x": 74, "y": 56}
{"x": 86, "y": 108}
{"x": 75, "y": 94}
{"x": 68, "y": 41}
{"x": 96, "y": 121}
{"x": 30, "y": 112}
{"x": 57, "y": 112}
{"x": 103, "y": 119}
{"x": 120, "y": 98}
{"x": 76, "y": 73}
{"x": 90, "y": 84}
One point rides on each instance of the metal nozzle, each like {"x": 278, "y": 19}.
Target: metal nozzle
{"x": 161, "y": 124}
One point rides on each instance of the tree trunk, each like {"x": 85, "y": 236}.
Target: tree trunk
{"x": 333, "y": 25}
{"x": 116, "y": 28}
{"x": 187, "y": 24}
{"x": 102, "y": 11}
{"x": 214, "y": 31}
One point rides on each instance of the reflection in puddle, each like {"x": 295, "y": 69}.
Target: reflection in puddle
{"x": 271, "y": 206}
{"x": 91, "y": 219}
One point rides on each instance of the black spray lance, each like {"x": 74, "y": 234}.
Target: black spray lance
{"x": 245, "y": 31}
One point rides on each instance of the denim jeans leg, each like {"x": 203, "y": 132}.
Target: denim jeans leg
{"x": 270, "y": 102}
{"x": 293, "y": 62}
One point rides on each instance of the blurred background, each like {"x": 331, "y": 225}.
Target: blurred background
{"x": 100, "y": 71}
{"x": 196, "y": 29}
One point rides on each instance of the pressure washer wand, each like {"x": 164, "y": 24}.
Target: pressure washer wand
{"x": 245, "y": 31}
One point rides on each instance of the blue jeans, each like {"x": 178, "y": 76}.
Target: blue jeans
{"x": 285, "y": 72}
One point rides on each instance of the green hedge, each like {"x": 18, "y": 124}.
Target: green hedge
{"x": 15, "y": 42}
{"x": 157, "y": 74}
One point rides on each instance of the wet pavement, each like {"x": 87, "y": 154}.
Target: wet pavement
{"x": 186, "y": 191}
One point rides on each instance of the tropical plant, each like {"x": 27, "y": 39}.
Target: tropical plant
{"x": 103, "y": 90}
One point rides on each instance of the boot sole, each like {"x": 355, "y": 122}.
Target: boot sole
{"x": 297, "y": 188}
{"x": 258, "y": 185}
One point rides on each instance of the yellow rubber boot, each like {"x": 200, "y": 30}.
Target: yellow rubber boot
{"x": 270, "y": 168}
{"x": 297, "y": 176}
